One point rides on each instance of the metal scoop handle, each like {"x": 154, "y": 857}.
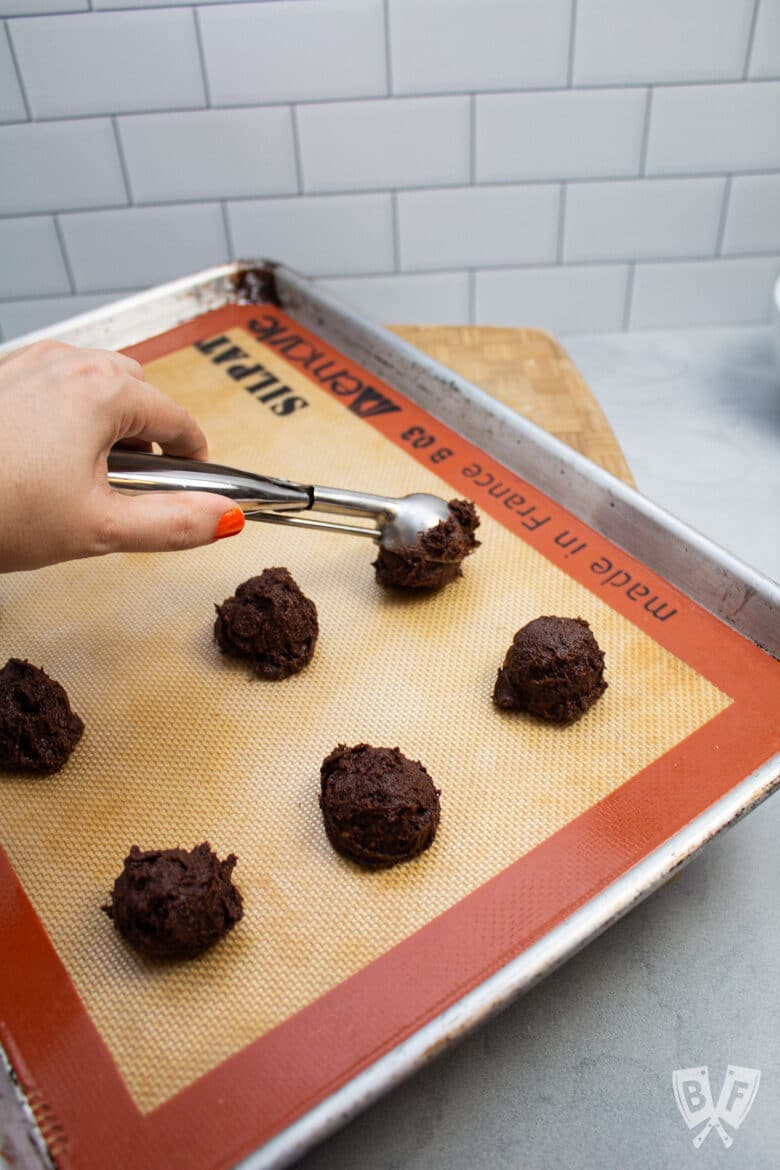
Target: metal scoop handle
{"x": 271, "y": 500}
{"x": 140, "y": 471}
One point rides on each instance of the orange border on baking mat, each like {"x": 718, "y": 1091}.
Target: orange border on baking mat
{"x": 85, "y": 1111}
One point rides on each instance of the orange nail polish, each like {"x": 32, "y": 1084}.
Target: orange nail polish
{"x": 230, "y": 523}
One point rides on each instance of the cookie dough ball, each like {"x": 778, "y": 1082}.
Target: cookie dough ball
{"x": 435, "y": 558}
{"x": 379, "y": 807}
{"x": 38, "y": 729}
{"x": 554, "y": 669}
{"x": 270, "y": 624}
{"x": 174, "y": 903}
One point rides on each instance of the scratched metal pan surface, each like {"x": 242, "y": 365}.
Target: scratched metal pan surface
{"x": 709, "y": 576}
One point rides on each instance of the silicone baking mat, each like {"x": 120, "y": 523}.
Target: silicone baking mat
{"x": 194, "y": 1065}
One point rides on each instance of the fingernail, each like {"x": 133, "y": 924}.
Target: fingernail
{"x": 230, "y": 523}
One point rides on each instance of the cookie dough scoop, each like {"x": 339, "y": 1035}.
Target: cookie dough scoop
{"x": 394, "y": 523}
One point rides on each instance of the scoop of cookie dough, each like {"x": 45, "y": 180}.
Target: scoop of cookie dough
{"x": 436, "y": 556}
{"x": 38, "y": 729}
{"x": 379, "y": 807}
{"x": 175, "y": 903}
{"x": 270, "y": 624}
{"x": 554, "y": 669}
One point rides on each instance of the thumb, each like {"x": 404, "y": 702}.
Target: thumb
{"x": 164, "y": 521}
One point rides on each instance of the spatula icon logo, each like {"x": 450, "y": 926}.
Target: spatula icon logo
{"x": 694, "y": 1100}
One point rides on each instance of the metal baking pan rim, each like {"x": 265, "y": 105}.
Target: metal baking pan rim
{"x": 518, "y": 976}
{"x": 714, "y": 578}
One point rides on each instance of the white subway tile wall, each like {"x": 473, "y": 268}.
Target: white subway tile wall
{"x": 57, "y": 166}
{"x": 293, "y": 50}
{"x": 112, "y": 62}
{"x": 467, "y": 227}
{"x": 753, "y": 217}
{"x": 41, "y": 7}
{"x": 381, "y": 144}
{"x": 701, "y": 129}
{"x": 702, "y": 292}
{"x": 765, "y": 57}
{"x": 11, "y": 101}
{"x": 434, "y": 298}
{"x": 31, "y": 258}
{"x": 574, "y": 299}
{"x": 208, "y": 154}
{"x": 472, "y": 45}
{"x": 620, "y": 41}
{"x": 320, "y": 234}
{"x": 642, "y": 218}
{"x": 105, "y": 5}
{"x": 563, "y": 134}
{"x": 110, "y": 249}
{"x": 18, "y": 317}
{"x": 568, "y": 164}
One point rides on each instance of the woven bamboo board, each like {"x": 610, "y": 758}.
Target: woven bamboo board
{"x": 528, "y": 370}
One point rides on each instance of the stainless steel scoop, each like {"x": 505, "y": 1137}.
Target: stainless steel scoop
{"x": 397, "y": 522}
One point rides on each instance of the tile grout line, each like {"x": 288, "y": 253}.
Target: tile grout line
{"x": 269, "y": 196}
{"x": 472, "y": 296}
{"x": 629, "y": 303}
{"x": 473, "y": 139}
{"x": 517, "y": 266}
{"x": 561, "y": 222}
{"x": 645, "y": 144}
{"x": 724, "y": 212}
{"x": 388, "y": 50}
{"x": 41, "y": 298}
{"x": 204, "y": 75}
{"x": 127, "y": 7}
{"x": 297, "y": 155}
{"x": 751, "y": 39}
{"x": 549, "y": 266}
{"x": 61, "y": 12}
{"x": 572, "y": 39}
{"x": 228, "y": 231}
{"x": 122, "y": 164}
{"x": 17, "y": 67}
{"x": 396, "y": 229}
{"x": 421, "y": 95}
{"x": 130, "y": 7}
{"x": 65, "y": 256}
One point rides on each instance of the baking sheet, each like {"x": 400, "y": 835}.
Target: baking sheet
{"x": 417, "y": 673}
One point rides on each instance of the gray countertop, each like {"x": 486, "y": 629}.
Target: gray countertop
{"x": 697, "y": 414}
{"x": 578, "y": 1073}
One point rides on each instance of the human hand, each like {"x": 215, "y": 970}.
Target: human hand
{"x": 62, "y": 409}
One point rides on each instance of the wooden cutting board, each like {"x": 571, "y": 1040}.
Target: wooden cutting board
{"x": 529, "y": 371}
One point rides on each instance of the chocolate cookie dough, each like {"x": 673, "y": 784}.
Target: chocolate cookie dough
{"x": 435, "y": 558}
{"x": 379, "y": 807}
{"x": 38, "y": 729}
{"x": 554, "y": 669}
{"x": 175, "y": 903}
{"x": 270, "y": 624}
